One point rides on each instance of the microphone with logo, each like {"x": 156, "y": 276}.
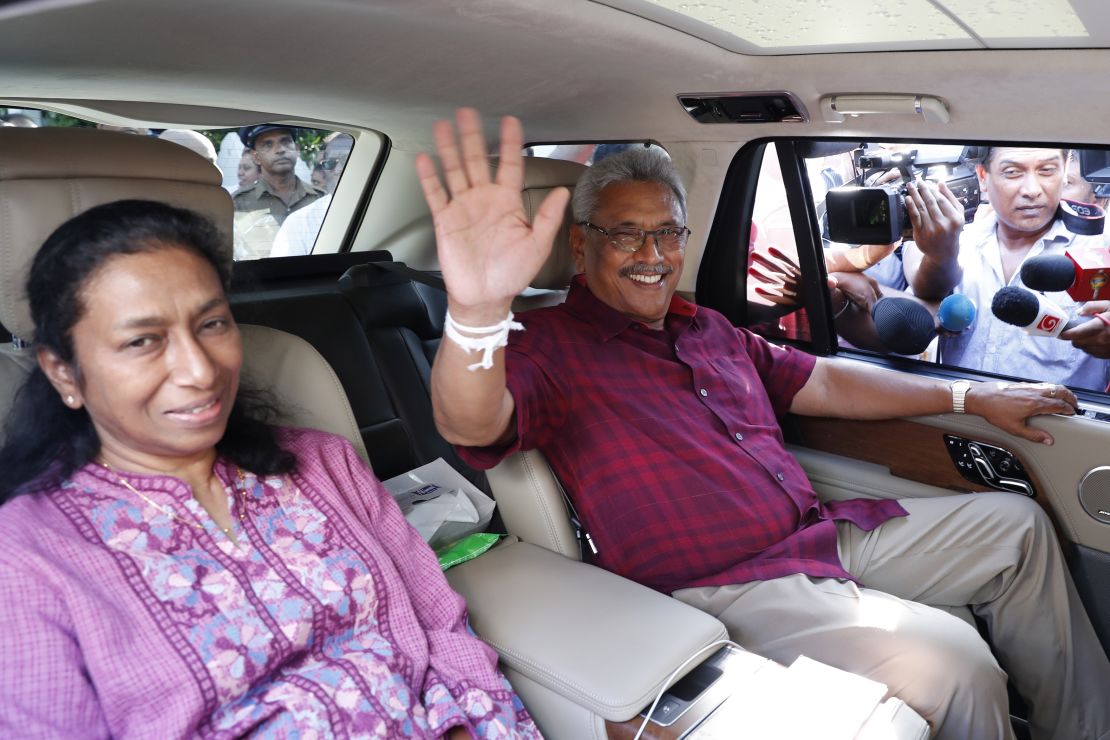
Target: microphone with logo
{"x": 1083, "y": 272}
{"x": 905, "y": 327}
{"x": 1034, "y": 314}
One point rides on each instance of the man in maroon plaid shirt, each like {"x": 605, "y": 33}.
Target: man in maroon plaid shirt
{"x": 660, "y": 419}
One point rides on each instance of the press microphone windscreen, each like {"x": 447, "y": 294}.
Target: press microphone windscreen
{"x": 904, "y": 326}
{"x": 956, "y": 312}
{"x": 1050, "y": 273}
{"x": 1016, "y": 306}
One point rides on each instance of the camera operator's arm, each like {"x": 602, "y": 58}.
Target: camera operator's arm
{"x": 858, "y": 258}
{"x": 853, "y": 295}
{"x": 932, "y": 266}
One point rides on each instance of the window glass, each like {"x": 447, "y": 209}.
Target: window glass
{"x": 772, "y": 264}
{"x": 281, "y": 177}
{"x": 1022, "y": 252}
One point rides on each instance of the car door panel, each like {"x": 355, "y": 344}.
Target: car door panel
{"x": 908, "y": 458}
{"x": 910, "y": 450}
{"x": 915, "y": 450}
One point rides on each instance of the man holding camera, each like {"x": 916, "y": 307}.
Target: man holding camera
{"x": 1024, "y": 187}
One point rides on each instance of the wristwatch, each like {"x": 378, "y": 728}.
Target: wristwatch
{"x": 959, "y": 393}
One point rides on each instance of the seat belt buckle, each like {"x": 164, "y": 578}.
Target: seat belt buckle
{"x": 581, "y": 535}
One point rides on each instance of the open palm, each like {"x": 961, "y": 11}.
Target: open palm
{"x": 487, "y": 249}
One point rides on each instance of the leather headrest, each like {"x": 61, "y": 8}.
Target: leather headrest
{"x": 386, "y": 299}
{"x": 541, "y": 176}
{"x": 49, "y": 175}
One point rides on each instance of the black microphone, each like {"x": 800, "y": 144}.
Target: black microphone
{"x": 1036, "y": 315}
{"x": 904, "y": 326}
{"x": 1083, "y": 271}
{"x": 1049, "y": 273}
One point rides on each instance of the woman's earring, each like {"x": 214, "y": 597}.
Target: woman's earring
{"x": 70, "y": 400}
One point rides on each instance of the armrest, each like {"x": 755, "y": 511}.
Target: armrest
{"x": 598, "y": 639}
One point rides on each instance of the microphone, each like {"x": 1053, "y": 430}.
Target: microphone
{"x": 1033, "y": 313}
{"x": 904, "y": 326}
{"x": 1082, "y": 271}
{"x": 956, "y": 312}
{"x": 1048, "y": 273}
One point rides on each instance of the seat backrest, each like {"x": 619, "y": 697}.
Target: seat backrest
{"x": 528, "y": 495}
{"x": 307, "y": 390}
{"x": 49, "y": 175}
{"x": 403, "y": 324}
{"x": 541, "y": 176}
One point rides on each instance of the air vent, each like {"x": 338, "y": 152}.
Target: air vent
{"x": 756, "y": 107}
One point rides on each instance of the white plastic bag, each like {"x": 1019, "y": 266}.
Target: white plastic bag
{"x": 440, "y": 503}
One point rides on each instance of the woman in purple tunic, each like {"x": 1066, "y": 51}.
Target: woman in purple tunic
{"x": 170, "y": 564}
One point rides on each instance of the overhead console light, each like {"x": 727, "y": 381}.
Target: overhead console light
{"x": 748, "y": 107}
{"x": 835, "y": 108}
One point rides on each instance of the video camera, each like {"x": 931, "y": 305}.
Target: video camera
{"x": 876, "y": 214}
{"x": 1094, "y": 167}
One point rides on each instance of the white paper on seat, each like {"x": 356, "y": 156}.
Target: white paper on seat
{"x": 807, "y": 700}
{"x": 440, "y": 503}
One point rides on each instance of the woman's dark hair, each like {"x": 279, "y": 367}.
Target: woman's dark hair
{"x": 45, "y": 440}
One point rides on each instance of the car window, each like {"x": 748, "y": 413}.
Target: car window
{"x": 772, "y": 264}
{"x": 282, "y": 186}
{"x": 1026, "y": 251}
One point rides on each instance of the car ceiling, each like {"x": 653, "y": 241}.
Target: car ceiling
{"x": 822, "y": 26}
{"x": 576, "y": 69}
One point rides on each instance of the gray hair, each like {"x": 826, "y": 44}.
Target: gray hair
{"x": 638, "y": 164}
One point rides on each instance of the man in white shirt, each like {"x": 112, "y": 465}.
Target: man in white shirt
{"x": 1024, "y": 187}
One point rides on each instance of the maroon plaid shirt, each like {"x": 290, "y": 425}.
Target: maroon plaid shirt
{"x": 669, "y": 445}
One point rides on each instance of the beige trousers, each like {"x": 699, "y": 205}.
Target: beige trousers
{"x": 996, "y": 553}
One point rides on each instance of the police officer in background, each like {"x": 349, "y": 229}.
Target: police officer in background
{"x": 278, "y": 190}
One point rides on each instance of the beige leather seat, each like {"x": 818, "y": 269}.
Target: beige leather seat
{"x": 49, "y": 175}
{"x": 528, "y": 495}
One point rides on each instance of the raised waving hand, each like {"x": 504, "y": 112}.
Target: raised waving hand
{"x": 487, "y": 249}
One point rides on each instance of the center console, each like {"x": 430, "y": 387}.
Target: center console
{"x": 589, "y": 651}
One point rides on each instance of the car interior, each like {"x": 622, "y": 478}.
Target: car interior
{"x": 763, "y": 110}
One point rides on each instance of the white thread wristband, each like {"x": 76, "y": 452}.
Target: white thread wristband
{"x": 488, "y": 340}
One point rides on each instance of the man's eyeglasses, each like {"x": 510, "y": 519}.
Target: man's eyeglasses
{"x": 630, "y": 239}
{"x": 328, "y": 164}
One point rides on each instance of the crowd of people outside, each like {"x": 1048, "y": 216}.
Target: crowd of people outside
{"x": 272, "y": 171}
{"x": 1016, "y": 221}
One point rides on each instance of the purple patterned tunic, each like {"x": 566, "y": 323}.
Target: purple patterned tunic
{"x": 331, "y": 617}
